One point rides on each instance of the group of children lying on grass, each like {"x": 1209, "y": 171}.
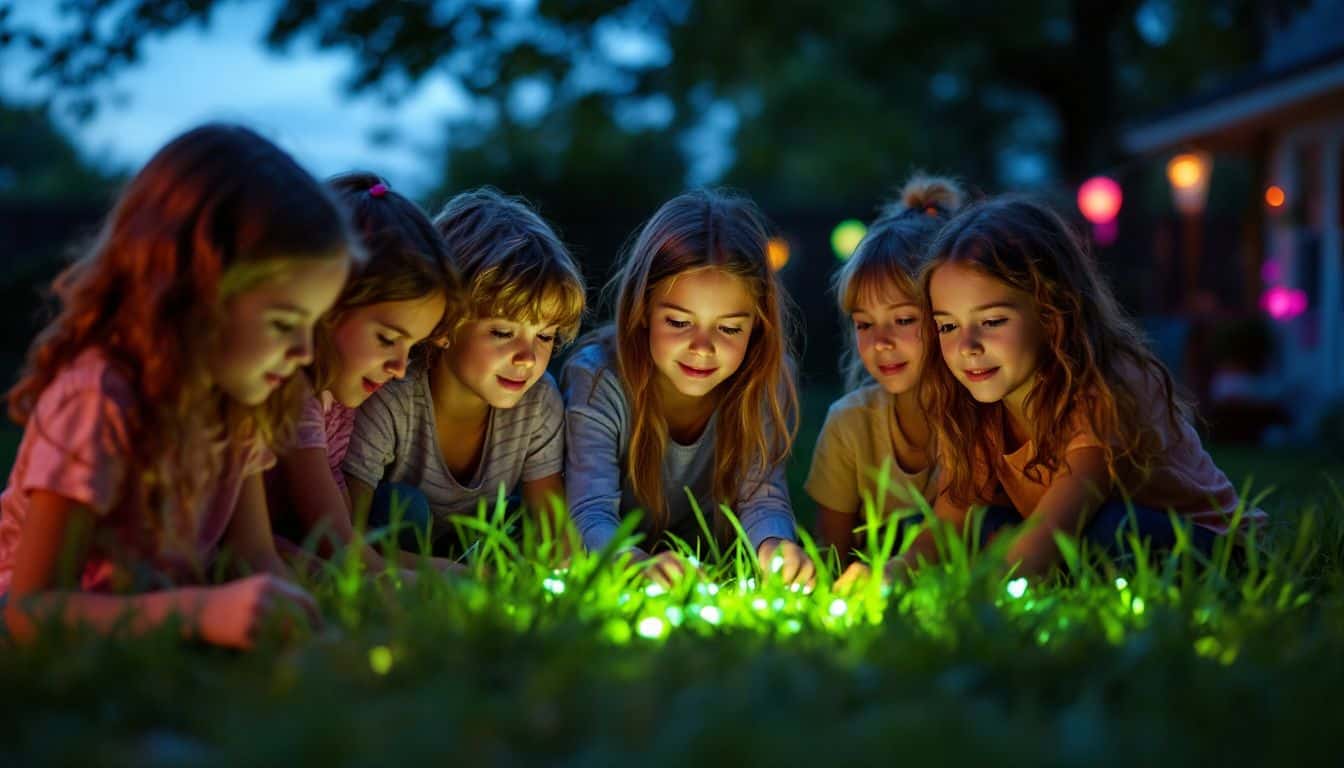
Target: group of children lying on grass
{"x": 249, "y": 366}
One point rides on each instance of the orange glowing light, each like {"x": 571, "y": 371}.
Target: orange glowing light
{"x": 1186, "y": 171}
{"x": 1274, "y": 196}
{"x": 777, "y": 253}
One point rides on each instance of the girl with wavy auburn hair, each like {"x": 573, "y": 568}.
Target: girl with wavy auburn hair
{"x": 1048, "y": 407}
{"x": 881, "y": 425}
{"x": 405, "y": 293}
{"x": 690, "y": 390}
{"x": 482, "y": 412}
{"x": 151, "y": 402}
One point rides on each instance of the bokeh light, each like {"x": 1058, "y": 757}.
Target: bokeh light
{"x": 1283, "y": 303}
{"x": 1099, "y": 198}
{"x": 1275, "y": 196}
{"x": 777, "y": 253}
{"x": 846, "y": 237}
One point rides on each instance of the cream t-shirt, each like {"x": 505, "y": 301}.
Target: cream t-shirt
{"x": 860, "y": 439}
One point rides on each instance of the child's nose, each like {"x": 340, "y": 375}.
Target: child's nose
{"x": 525, "y": 356}
{"x": 397, "y": 365}
{"x": 701, "y": 342}
{"x": 301, "y": 352}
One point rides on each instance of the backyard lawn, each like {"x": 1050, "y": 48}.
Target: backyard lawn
{"x": 1174, "y": 664}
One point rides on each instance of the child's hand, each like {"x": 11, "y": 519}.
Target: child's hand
{"x": 664, "y": 568}
{"x": 794, "y": 566}
{"x": 855, "y": 574}
{"x": 897, "y": 571}
{"x": 234, "y": 613}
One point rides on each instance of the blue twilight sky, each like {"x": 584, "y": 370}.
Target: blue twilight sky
{"x": 223, "y": 72}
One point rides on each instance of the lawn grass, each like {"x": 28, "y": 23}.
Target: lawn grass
{"x": 1169, "y": 664}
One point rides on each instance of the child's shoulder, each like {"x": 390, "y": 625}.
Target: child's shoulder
{"x": 92, "y": 372}
{"x": 544, "y": 394}
{"x": 859, "y": 404}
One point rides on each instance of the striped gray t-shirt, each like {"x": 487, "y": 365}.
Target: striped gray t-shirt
{"x": 396, "y": 440}
{"x": 597, "y": 418}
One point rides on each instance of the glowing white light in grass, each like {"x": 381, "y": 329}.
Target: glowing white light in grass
{"x": 707, "y": 588}
{"x": 777, "y": 564}
{"x": 554, "y": 586}
{"x": 838, "y": 607}
{"x": 674, "y": 615}
{"x": 759, "y": 604}
{"x": 380, "y": 659}
{"x": 749, "y": 584}
{"x": 651, "y": 627}
{"x": 711, "y": 614}
{"x": 792, "y": 627}
{"x": 654, "y": 590}
{"x": 795, "y": 587}
{"x": 1120, "y": 582}
{"x": 777, "y": 604}
{"x": 693, "y": 560}
{"x": 1017, "y": 587}
{"x": 1137, "y": 606}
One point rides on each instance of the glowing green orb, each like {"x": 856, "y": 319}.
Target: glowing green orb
{"x": 846, "y": 236}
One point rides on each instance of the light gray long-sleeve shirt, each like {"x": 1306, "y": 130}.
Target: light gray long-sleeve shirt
{"x": 597, "y": 436}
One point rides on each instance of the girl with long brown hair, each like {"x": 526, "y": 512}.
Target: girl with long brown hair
{"x": 1048, "y": 408}
{"x": 151, "y": 402}
{"x": 689, "y": 390}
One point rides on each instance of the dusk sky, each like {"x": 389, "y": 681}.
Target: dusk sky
{"x": 223, "y": 72}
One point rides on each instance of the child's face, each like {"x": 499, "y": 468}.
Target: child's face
{"x": 887, "y": 333}
{"x": 699, "y": 326}
{"x": 374, "y": 342}
{"x": 499, "y": 359}
{"x": 989, "y": 332}
{"x": 267, "y": 331}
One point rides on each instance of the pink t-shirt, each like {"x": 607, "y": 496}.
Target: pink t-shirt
{"x": 327, "y": 426}
{"x": 75, "y": 445}
{"x": 1183, "y": 478}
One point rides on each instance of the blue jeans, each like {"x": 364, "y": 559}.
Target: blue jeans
{"x": 1109, "y": 528}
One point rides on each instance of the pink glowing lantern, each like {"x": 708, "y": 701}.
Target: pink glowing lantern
{"x": 1099, "y": 199}
{"x": 1283, "y": 303}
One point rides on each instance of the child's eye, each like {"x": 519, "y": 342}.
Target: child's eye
{"x": 499, "y": 333}
{"x": 946, "y": 327}
{"x": 546, "y": 338}
{"x": 385, "y": 341}
{"x": 678, "y": 324}
{"x": 730, "y": 330}
{"x": 995, "y": 322}
{"x": 283, "y": 326}
{"x": 906, "y": 321}
{"x": 860, "y": 325}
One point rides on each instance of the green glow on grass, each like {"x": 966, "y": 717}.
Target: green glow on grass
{"x": 674, "y": 615}
{"x": 554, "y": 586}
{"x": 654, "y": 590}
{"x": 1137, "y": 606}
{"x": 838, "y": 607}
{"x": 1017, "y": 587}
{"x": 711, "y": 614}
{"x": 380, "y": 659}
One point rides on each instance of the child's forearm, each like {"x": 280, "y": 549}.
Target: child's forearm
{"x": 138, "y": 614}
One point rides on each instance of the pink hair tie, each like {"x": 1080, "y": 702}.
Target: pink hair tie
{"x": 378, "y": 190}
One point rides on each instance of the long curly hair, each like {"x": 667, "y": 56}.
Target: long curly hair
{"x": 406, "y": 259}
{"x": 1093, "y": 368}
{"x": 892, "y": 253}
{"x": 758, "y": 404}
{"x": 215, "y": 212}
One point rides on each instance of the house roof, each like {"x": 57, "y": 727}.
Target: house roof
{"x": 1253, "y": 103}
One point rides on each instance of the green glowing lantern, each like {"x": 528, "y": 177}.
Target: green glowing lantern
{"x": 846, "y": 236}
